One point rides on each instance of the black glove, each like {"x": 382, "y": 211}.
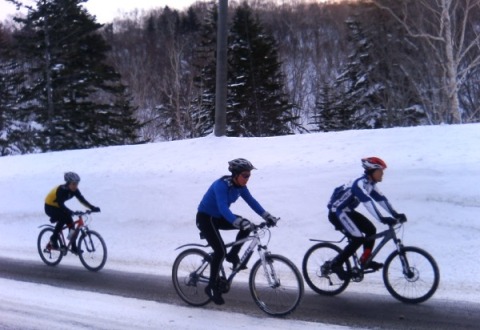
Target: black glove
{"x": 388, "y": 220}
{"x": 270, "y": 219}
{"x": 401, "y": 217}
{"x": 95, "y": 209}
{"x": 243, "y": 224}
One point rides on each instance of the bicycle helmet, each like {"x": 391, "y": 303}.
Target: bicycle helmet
{"x": 373, "y": 163}
{"x": 71, "y": 177}
{"x": 240, "y": 165}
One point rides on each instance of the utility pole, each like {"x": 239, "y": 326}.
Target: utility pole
{"x": 221, "y": 74}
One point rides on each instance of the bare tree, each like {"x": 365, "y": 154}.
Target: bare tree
{"x": 449, "y": 30}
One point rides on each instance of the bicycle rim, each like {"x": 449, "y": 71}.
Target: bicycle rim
{"x": 318, "y": 275}
{"x": 47, "y": 254}
{"x": 277, "y": 286}
{"x": 421, "y": 280}
{"x": 93, "y": 251}
{"x": 190, "y": 276}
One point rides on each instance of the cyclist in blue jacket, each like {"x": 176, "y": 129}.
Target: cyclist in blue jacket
{"x": 214, "y": 213}
{"x": 345, "y": 199}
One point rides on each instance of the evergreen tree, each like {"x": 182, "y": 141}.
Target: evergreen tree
{"x": 71, "y": 92}
{"x": 203, "y": 106}
{"x": 15, "y": 130}
{"x": 257, "y": 104}
{"x": 330, "y": 116}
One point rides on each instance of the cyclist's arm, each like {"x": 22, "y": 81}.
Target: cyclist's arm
{"x": 252, "y": 202}
{"x": 62, "y": 196}
{"x": 383, "y": 201}
{"x": 364, "y": 197}
{"x": 82, "y": 199}
{"x": 220, "y": 190}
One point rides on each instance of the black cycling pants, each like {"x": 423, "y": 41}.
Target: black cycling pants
{"x": 60, "y": 217}
{"x": 363, "y": 224}
{"x": 209, "y": 227}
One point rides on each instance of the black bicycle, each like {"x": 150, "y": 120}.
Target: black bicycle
{"x": 275, "y": 282}
{"x": 410, "y": 274}
{"x": 92, "y": 249}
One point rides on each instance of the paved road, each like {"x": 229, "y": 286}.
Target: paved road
{"x": 348, "y": 309}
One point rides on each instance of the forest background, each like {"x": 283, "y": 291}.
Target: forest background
{"x": 68, "y": 82}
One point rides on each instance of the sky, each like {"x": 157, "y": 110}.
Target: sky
{"x": 106, "y": 11}
{"x": 149, "y": 195}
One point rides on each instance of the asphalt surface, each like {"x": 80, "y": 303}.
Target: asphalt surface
{"x": 348, "y": 309}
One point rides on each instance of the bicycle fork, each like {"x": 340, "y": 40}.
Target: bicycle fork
{"x": 267, "y": 263}
{"x": 407, "y": 270}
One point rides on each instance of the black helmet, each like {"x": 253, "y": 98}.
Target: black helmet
{"x": 71, "y": 177}
{"x": 240, "y": 165}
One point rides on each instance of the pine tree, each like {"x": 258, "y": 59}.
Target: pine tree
{"x": 257, "y": 104}
{"x": 330, "y": 116}
{"x": 15, "y": 130}
{"x": 71, "y": 92}
{"x": 203, "y": 112}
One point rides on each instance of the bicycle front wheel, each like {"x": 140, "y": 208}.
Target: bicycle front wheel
{"x": 92, "y": 251}
{"x": 190, "y": 276}
{"x": 49, "y": 256}
{"x": 276, "y": 285}
{"x": 411, "y": 276}
{"x": 317, "y": 272}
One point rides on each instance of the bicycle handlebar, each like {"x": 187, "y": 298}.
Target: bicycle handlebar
{"x": 84, "y": 212}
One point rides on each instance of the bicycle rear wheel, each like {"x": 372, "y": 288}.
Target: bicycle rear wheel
{"x": 420, "y": 280}
{"x": 92, "y": 251}
{"x": 317, "y": 272}
{"x": 276, "y": 286}
{"x": 49, "y": 256}
{"x": 190, "y": 276}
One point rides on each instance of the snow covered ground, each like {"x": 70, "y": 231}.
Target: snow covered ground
{"x": 149, "y": 193}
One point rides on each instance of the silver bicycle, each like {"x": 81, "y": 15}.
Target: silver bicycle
{"x": 275, "y": 282}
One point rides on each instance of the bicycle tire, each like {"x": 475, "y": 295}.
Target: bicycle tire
{"x": 93, "y": 250}
{"x": 417, "y": 286}
{"x": 323, "y": 281}
{"x": 280, "y": 297}
{"x": 49, "y": 256}
{"x": 188, "y": 284}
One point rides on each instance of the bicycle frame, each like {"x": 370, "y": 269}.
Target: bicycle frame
{"x": 79, "y": 225}
{"x": 255, "y": 239}
{"x": 388, "y": 234}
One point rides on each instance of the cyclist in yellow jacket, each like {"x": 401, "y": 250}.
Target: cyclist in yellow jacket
{"x": 57, "y": 211}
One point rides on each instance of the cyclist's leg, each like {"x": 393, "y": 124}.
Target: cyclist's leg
{"x": 209, "y": 228}
{"x": 60, "y": 219}
{"x": 348, "y": 226}
{"x": 225, "y": 225}
{"x": 369, "y": 229}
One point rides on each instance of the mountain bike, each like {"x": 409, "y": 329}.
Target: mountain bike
{"x": 275, "y": 283}
{"x": 410, "y": 274}
{"x": 92, "y": 249}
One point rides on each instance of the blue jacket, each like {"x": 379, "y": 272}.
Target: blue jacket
{"x": 221, "y": 194}
{"x": 347, "y": 197}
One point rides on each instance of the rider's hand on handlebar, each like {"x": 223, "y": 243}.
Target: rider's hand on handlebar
{"x": 388, "y": 220}
{"x": 270, "y": 219}
{"x": 401, "y": 217}
{"x": 243, "y": 224}
{"x": 95, "y": 209}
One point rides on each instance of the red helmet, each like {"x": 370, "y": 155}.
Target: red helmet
{"x": 373, "y": 163}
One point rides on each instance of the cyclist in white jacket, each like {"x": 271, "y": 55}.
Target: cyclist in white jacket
{"x": 345, "y": 199}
